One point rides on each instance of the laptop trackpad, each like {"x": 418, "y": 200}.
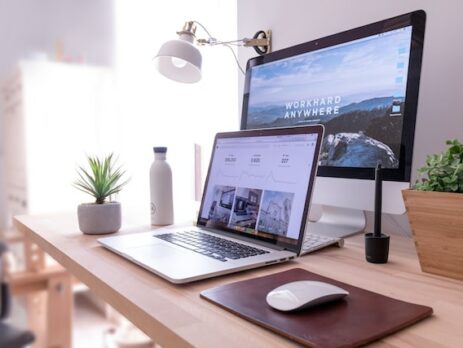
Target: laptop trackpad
{"x": 170, "y": 261}
{"x": 156, "y": 251}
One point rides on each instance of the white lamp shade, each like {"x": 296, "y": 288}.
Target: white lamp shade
{"x": 180, "y": 61}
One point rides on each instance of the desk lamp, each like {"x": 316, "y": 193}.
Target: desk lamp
{"x": 180, "y": 60}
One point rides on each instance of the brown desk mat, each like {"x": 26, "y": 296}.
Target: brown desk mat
{"x": 360, "y": 318}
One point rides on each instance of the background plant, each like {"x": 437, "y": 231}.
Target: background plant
{"x": 102, "y": 180}
{"x": 443, "y": 172}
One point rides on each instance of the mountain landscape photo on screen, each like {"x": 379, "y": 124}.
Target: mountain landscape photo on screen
{"x": 356, "y": 90}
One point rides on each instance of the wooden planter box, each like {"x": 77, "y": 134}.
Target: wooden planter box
{"x": 436, "y": 219}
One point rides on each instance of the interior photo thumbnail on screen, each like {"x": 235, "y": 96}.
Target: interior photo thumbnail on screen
{"x": 250, "y": 210}
{"x": 356, "y": 90}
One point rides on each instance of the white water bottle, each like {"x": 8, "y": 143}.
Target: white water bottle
{"x": 162, "y": 206}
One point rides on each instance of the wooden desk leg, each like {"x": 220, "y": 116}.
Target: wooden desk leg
{"x": 36, "y": 313}
{"x": 59, "y": 312}
{"x": 49, "y": 311}
{"x": 50, "y": 314}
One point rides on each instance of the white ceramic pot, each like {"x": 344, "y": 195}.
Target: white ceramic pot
{"x": 99, "y": 218}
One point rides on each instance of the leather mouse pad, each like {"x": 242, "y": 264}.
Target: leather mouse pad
{"x": 361, "y": 317}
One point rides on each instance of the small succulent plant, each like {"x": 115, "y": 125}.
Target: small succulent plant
{"x": 102, "y": 180}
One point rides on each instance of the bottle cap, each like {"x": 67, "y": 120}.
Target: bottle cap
{"x": 160, "y": 149}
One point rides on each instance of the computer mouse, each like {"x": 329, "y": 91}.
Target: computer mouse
{"x": 303, "y": 294}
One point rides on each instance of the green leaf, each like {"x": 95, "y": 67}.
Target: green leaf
{"x": 102, "y": 179}
{"x": 444, "y": 171}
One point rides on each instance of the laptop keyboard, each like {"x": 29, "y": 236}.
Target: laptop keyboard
{"x": 215, "y": 247}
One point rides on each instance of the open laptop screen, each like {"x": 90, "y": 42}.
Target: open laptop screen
{"x": 259, "y": 185}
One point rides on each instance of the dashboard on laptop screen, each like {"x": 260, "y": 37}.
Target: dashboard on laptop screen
{"x": 258, "y": 185}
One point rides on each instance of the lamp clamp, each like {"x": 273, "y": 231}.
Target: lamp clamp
{"x": 261, "y": 42}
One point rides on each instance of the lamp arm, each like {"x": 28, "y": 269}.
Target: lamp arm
{"x": 262, "y": 40}
{"x": 211, "y": 41}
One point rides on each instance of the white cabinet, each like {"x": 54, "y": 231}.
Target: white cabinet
{"x": 53, "y": 115}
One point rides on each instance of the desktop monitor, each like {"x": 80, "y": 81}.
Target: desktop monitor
{"x": 362, "y": 85}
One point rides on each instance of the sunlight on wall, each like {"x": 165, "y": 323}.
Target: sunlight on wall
{"x": 158, "y": 112}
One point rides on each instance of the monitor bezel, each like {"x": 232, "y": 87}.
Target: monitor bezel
{"x": 279, "y": 241}
{"x": 417, "y": 20}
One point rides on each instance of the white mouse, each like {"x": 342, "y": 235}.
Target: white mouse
{"x": 303, "y": 294}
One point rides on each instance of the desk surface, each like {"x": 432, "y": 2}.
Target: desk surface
{"x": 175, "y": 316}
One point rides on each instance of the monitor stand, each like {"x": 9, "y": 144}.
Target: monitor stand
{"x": 338, "y": 222}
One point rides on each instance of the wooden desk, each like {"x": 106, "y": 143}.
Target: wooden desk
{"x": 175, "y": 316}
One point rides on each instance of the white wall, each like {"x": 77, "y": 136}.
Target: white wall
{"x": 439, "y": 111}
{"x": 156, "y": 111}
{"x": 151, "y": 109}
{"x": 79, "y": 30}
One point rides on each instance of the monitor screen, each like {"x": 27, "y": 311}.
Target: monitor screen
{"x": 259, "y": 185}
{"x": 359, "y": 84}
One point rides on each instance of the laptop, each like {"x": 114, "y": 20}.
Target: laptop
{"x": 253, "y": 211}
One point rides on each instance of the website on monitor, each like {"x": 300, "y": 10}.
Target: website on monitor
{"x": 356, "y": 90}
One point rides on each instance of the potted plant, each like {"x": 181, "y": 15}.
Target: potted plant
{"x": 102, "y": 181}
{"x": 435, "y": 211}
